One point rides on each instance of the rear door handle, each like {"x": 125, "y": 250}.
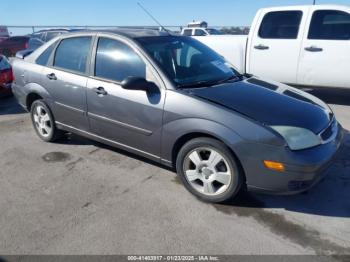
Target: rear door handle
{"x": 261, "y": 47}
{"x": 100, "y": 91}
{"x": 52, "y": 76}
{"x": 313, "y": 49}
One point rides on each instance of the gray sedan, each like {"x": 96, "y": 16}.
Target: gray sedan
{"x": 173, "y": 100}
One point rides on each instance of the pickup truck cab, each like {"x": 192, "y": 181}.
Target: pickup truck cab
{"x": 199, "y": 31}
{"x": 297, "y": 45}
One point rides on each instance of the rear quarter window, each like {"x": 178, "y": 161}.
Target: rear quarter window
{"x": 43, "y": 59}
{"x": 188, "y": 32}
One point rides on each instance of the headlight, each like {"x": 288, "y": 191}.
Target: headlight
{"x": 298, "y": 138}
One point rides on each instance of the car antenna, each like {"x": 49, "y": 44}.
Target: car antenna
{"x": 152, "y": 17}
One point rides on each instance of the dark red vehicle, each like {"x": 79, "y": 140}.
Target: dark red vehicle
{"x": 6, "y": 77}
{"x": 12, "y": 45}
{"x": 4, "y": 33}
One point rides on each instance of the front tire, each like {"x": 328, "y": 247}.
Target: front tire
{"x": 209, "y": 170}
{"x": 43, "y": 122}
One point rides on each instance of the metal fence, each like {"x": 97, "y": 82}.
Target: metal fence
{"x": 15, "y": 30}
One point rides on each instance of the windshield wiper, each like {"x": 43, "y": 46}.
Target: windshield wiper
{"x": 197, "y": 84}
{"x": 231, "y": 78}
{"x": 210, "y": 83}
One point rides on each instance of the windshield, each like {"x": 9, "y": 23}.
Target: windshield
{"x": 35, "y": 43}
{"x": 186, "y": 61}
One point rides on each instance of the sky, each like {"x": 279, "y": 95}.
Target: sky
{"x": 127, "y": 12}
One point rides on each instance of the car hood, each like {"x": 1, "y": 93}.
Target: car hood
{"x": 270, "y": 103}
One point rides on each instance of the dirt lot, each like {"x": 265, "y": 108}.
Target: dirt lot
{"x": 80, "y": 197}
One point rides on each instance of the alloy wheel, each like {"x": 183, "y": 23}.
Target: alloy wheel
{"x": 42, "y": 121}
{"x": 207, "y": 171}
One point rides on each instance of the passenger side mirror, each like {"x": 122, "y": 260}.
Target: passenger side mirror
{"x": 136, "y": 83}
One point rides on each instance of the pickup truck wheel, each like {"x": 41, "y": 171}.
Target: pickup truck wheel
{"x": 209, "y": 170}
{"x": 43, "y": 122}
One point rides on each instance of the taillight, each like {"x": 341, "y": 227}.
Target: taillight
{"x": 12, "y": 76}
{"x": 26, "y": 46}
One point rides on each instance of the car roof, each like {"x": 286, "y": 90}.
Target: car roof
{"x": 129, "y": 32}
{"x": 54, "y": 30}
{"x": 318, "y": 6}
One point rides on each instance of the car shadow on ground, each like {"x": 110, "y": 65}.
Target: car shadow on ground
{"x": 73, "y": 139}
{"x": 9, "y": 106}
{"x": 330, "y": 95}
{"x": 76, "y": 140}
{"x": 331, "y": 197}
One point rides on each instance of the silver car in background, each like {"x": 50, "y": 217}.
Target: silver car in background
{"x": 175, "y": 101}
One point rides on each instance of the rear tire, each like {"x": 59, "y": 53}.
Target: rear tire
{"x": 209, "y": 170}
{"x": 44, "y": 122}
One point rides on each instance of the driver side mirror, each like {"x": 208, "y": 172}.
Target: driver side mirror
{"x": 136, "y": 83}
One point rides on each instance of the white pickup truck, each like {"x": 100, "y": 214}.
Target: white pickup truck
{"x": 297, "y": 45}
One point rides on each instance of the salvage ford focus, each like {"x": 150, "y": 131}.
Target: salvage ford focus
{"x": 173, "y": 100}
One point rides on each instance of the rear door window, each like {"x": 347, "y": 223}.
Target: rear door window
{"x": 199, "y": 32}
{"x": 72, "y": 54}
{"x": 188, "y": 32}
{"x": 116, "y": 61}
{"x": 330, "y": 25}
{"x": 281, "y": 25}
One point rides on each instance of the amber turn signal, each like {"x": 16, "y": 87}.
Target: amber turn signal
{"x": 274, "y": 165}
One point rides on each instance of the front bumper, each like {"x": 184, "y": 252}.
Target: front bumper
{"x": 304, "y": 168}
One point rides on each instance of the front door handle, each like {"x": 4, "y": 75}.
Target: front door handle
{"x": 261, "y": 47}
{"x": 52, "y": 76}
{"x": 100, "y": 91}
{"x": 313, "y": 49}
